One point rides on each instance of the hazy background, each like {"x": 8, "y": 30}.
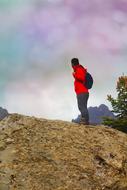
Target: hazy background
{"x": 38, "y": 38}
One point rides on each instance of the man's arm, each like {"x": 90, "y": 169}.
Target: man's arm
{"x": 79, "y": 75}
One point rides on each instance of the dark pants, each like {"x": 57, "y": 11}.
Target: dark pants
{"x": 82, "y": 100}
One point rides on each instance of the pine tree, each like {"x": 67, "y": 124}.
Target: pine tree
{"x": 120, "y": 103}
{"x": 119, "y": 106}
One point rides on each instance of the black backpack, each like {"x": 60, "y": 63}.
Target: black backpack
{"x": 88, "y": 81}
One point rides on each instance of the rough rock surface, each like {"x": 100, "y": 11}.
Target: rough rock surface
{"x": 40, "y": 154}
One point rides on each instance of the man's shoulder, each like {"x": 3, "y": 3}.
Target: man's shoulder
{"x": 81, "y": 68}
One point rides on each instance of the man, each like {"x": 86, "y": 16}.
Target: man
{"x": 81, "y": 90}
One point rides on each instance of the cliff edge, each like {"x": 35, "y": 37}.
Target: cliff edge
{"x": 40, "y": 154}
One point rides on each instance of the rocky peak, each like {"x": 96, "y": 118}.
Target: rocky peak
{"x": 3, "y": 113}
{"x": 97, "y": 113}
{"x": 42, "y": 154}
{"x": 103, "y": 107}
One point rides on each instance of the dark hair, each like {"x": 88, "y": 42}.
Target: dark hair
{"x": 74, "y": 61}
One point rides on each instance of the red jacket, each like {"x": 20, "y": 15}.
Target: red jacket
{"x": 79, "y": 76}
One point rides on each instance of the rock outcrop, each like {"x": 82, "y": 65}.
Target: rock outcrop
{"x": 40, "y": 154}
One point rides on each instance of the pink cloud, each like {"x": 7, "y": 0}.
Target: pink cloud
{"x": 120, "y": 5}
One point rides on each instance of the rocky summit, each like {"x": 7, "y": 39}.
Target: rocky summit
{"x": 40, "y": 154}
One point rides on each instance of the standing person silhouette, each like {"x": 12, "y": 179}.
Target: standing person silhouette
{"x": 82, "y": 92}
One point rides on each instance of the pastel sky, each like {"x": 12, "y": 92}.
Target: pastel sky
{"x": 38, "y": 38}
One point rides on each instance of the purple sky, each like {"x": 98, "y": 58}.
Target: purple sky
{"x": 38, "y": 40}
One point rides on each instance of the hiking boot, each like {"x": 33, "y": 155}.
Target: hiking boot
{"x": 83, "y": 121}
{"x": 77, "y": 120}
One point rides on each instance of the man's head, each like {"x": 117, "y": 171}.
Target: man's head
{"x": 74, "y": 62}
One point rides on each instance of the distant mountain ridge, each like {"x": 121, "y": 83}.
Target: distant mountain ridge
{"x": 3, "y": 113}
{"x": 96, "y": 114}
